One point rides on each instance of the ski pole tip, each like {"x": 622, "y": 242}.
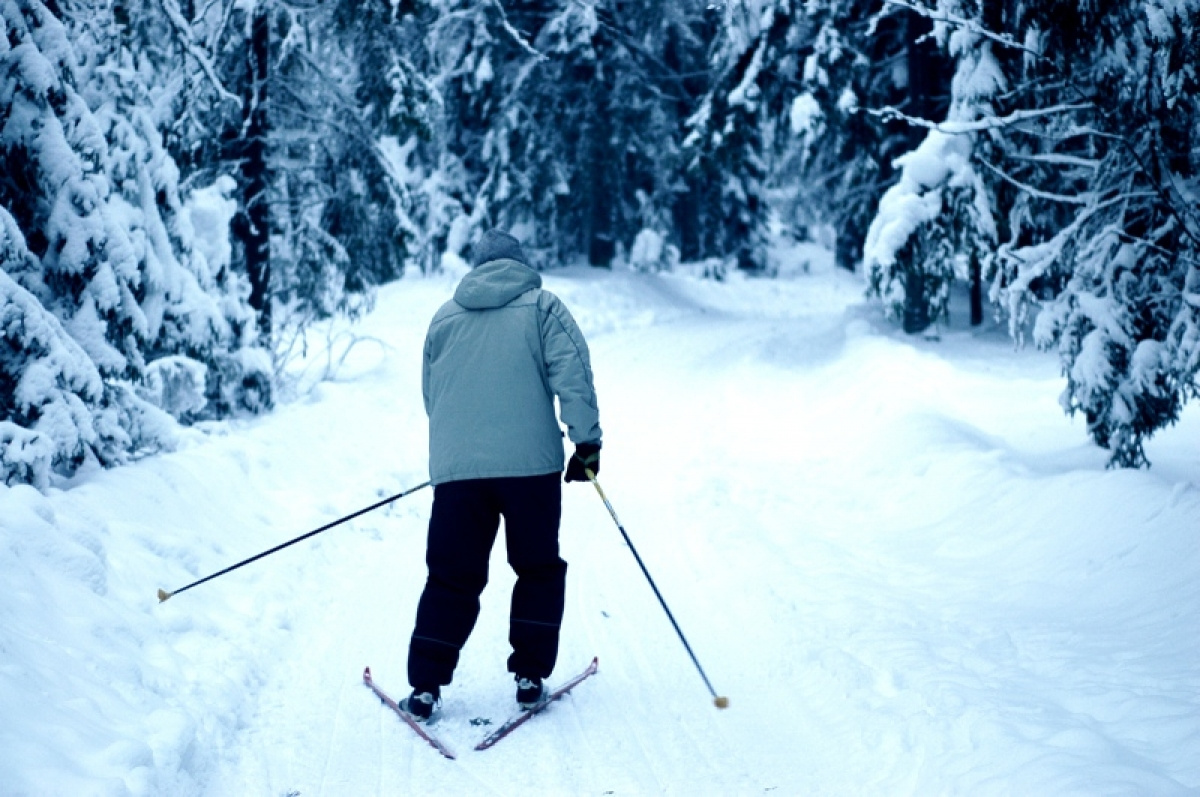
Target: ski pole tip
{"x": 721, "y": 702}
{"x": 163, "y": 595}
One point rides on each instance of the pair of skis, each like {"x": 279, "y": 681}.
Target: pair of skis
{"x": 495, "y": 736}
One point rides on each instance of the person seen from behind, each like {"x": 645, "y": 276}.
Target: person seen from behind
{"x": 496, "y": 357}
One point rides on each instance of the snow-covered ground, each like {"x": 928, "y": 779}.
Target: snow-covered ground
{"x": 907, "y": 569}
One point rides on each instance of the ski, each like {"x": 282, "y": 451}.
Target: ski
{"x": 416, "y": 726}
{"x": 519, "y": 719}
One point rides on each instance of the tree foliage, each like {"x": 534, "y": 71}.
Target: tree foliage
{"x": 103, "y": 274}
{"x": 188, "y": 186}
{"x": 1089, "y": 142}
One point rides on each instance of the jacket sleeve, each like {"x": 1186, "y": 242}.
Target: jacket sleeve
{"x": 425, "y": 386}
{"x": 569, "y": 370}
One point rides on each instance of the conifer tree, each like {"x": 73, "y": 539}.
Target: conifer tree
{"x": 564, "y": 121}
{"x": 305, "y": 97}
{"x": 1096, "y": 142}
{"x": 1124, "y": 266}
{"x": 1083, "y": 166}
{"x": 50, "y": 391}
{"x": 725, "y": 143}
{"x": 839, "y": 158}
{"x": 936, "y": 225}
{"x": 105, "y": 292}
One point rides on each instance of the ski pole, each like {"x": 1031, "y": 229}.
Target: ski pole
{"x": 163, "y": 594}
{"x": 718, "y": 701}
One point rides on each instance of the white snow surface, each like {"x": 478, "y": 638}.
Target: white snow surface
{"x": 906, "y": 568}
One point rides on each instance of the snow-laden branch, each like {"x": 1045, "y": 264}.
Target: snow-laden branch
{"x": 1033, "y": 261}
{"x": 971, "y": 25}
{"x": 1036, "y": 192}
{"x": 979, "y": 125}
{"x": 1055, "y": 159}
{"x": 1141, "y": 240}
{"x": 516, "y": 34}
{"x": 1177, "y": 202}
{"x": 741, "y": 94}
{"x": 183, "y": 32}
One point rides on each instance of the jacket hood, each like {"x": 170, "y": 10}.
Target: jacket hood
{"x": 495, "y": 284}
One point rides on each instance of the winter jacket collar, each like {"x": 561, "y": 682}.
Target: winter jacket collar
{"x": 495, "y": 284}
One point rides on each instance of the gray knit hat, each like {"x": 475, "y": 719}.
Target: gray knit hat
{"x": 497, "y": 245}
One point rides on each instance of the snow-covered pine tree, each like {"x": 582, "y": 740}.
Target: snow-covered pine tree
{"x": 1101, "y": 147}
{"x": 132, "y": 313}
{"x": 50, "y": 391}
{"x": 303, "y": 99}
{"x": 153, "y": 74}
{"x": 86, "y": 268}
{"x": 581, "y": 61}
{"x": 838, "y": 160}
{"x": 479, "y": 59}
{"x": 401, "y": 108}
{"x": 342, "y": 210}
{"x": 725, "y": 144}
{"x": 626, "y": 129}
{"x": 198, "y": 322}
{"x": 662, "y": 73}
{"x": 563, "y": 121}
{"x": 78, "y": 255}
{"x": 936, "y": 224}
{"x": 684, "y": 55}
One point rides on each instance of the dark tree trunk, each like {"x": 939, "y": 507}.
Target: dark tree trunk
{"x": 916, "y": 303}
{"x": 601, "y": 244}
{"x": 687, "y": 220}
{"x": 602, "y": 161}
{"x": 994, "y": 13}
{"x": 254, "y": 227}
{"x": 922, "y": 90}
{"x": 976, "y": 292}
{"x": 690, "y": 61}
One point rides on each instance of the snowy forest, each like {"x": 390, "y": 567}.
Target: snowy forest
{"x": 187, "y": 187}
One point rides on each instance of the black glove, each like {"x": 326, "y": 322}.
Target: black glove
{"x": 586, "y": 456}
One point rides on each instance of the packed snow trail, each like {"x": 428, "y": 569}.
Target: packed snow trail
{"x": 910, "y": 573}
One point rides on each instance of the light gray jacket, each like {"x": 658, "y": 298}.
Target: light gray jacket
{"x": 496, "y": 356}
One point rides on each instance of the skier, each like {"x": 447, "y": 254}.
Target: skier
{"x": 496, "y": 356}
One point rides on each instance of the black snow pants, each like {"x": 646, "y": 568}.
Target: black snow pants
{"x": 462, "y": 528}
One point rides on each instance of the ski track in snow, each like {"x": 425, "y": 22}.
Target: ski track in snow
{"x": 910, "y": 573}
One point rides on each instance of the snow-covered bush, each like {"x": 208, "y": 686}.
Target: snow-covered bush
{"x": 241, "y": 381}
{"x": 128, "y": 425}
{"x": 713, "y": 268}
{"x": 25, "y": 456}
{"x": 176, "y": 385}
{"x": 652, "y": 252}
{"x": 50, "y": 391}
{"x": 56, "y": 411}
{"x": 1128, "y": 338}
